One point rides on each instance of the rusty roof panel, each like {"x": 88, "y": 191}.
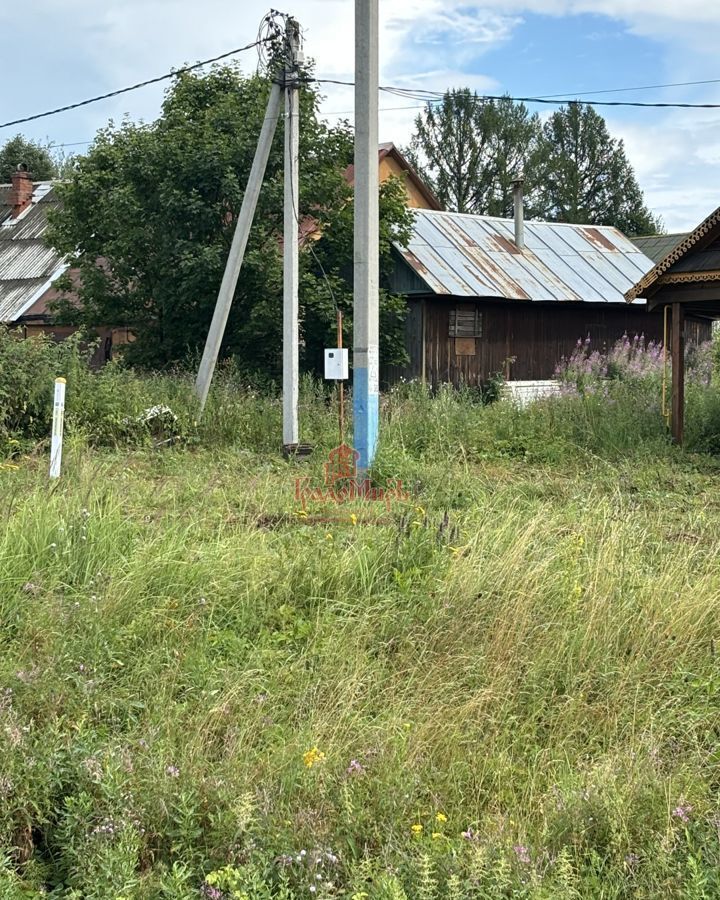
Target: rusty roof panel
{"x": 476, "y": 256}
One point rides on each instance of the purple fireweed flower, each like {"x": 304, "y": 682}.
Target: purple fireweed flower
{"x": 682, "y": 811}
{"x": 355, "y": 768}
{"x": 173, "y": 771}
{"x": 469, "y": 835}
{"x": 522, "y": 853}
{"x": 211, "y": 892}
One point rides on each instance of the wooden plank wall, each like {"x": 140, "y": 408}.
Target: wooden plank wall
{"x": 413, "y": 344}
{"x": 537, "y": 335}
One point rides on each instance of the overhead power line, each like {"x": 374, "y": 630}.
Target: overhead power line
{"x": 644, "y": 87}
{"x": 418, "y": 94}
{"x": 132, "y": 87}
{"x": 427, "y": 96}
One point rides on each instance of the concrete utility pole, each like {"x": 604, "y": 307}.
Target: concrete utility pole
{"x": 291, "y": 335}
{"x": 237, "y": 249}
{"x": 366, "y": 358}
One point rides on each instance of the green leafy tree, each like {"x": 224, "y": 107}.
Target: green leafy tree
{"x": 19, "y": 151}
{"x": 588, "y": 178}
{"x": 471, "y": 149}
{"x": 157, "y": 205}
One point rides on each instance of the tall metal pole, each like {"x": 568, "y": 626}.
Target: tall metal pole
{"x": 366, "y": 400}
{"x": 237, "y": 249}
{"x": 291, "y": 336}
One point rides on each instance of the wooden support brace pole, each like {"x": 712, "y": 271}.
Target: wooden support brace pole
{"x": 678, "y": 372}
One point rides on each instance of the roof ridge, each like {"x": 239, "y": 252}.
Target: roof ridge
{"x": 447, "y": 212}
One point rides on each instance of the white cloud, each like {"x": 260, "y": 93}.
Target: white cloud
{"x": 677, "y": 162}
{"x": 424, "y": 43}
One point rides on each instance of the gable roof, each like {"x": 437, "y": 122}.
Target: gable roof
{"x": 476, "y": 256}
{"x": 390, "y": 151}
{"x": 657, "y": 246}
{"x": 697, "y": 240}
{"x": 28, "y": 266}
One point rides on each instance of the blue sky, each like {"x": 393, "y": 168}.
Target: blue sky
{"x": 58, "y": 51}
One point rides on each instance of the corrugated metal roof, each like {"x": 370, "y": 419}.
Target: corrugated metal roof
{"x": 27, "y": 265}
{"x": 476, "y": 256}
{"x": 657, "y": 246}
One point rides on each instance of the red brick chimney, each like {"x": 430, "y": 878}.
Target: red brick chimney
{"x": 22, "y": 190}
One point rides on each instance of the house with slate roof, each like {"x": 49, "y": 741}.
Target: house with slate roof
{"x": 29, "y": 268}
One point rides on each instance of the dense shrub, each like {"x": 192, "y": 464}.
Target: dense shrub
{"x": 610, "y": 403}
{"x": 28, "y": 369}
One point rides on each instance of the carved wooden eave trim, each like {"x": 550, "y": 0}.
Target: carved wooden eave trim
{"x": 652, "y": 277}
{"x": 688, "y": 277}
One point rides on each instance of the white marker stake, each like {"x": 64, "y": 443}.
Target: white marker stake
{"x": 57, "y": 428}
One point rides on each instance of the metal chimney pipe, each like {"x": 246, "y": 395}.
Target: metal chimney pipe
{"x": 518, "y": 182}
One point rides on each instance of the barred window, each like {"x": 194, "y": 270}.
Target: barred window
{"x": 465, "y": 322}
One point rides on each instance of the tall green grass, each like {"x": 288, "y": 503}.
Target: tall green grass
{"x": 506, "y": 685}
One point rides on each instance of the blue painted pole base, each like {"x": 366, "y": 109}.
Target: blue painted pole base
{"x": 366, "y": 415}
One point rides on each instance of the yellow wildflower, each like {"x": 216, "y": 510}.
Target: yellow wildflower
{"x": 328, "y": 537}
{"x": 416, "y": 828}
{"x": 301, "y": 514}
{"x": 436, "y": 835}
{"x": 313, "y": 757}
{"x": 353, "y": 518}
{"x": 440, "y": 817}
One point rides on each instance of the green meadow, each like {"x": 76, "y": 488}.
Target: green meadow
{"x": 504, "y": 683}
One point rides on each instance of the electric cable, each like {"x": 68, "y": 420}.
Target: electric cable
{"x": 132, "y": 87}
{"x": 427, "y": 96}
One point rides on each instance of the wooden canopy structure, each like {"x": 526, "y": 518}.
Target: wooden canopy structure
{"x": 686, "y": 282}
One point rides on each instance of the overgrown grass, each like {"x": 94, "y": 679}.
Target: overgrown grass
{"x": 506, "y": 685}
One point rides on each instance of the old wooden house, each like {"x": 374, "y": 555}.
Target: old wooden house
{"x": 683, "y": 289}
{"x": 29, "y": 267}
{"x": 488, "y": 297}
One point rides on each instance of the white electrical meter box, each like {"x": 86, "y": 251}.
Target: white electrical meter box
{"x": 336, "y": 364}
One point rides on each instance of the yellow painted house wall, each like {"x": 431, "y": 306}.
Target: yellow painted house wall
{"x": 390, "y": 167}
